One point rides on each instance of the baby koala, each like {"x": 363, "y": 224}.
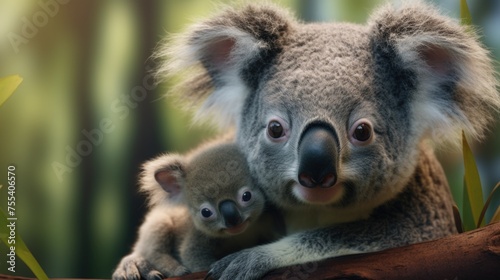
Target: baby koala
{"x": 204, "y": 206}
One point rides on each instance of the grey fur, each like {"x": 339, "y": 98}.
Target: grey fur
{"x": 414, "y": 74}
{"x": 174, "y": 238}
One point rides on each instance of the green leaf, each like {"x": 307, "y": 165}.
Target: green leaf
{"x": 21, "y": 249}
{"x": 472, "y": 181}
{"x": 7, "y": 86}
{"x": 465, "y": 17}
{"x": 496, "y": 216}
{"x": 468, "y": 219}
{"x": 487, "y": 204}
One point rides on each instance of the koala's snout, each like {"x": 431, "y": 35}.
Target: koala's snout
{"x": 318, "y": 157}
{"x": 230, "y": 212}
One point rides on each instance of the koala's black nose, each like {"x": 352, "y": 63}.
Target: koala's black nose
{"x": 230, "y": 212}
{"x": 318, "y": 156}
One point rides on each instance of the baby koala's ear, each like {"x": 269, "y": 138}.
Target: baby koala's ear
{"x": 170, "y": 178}
{"x": 163, "y": 178}
{"x": 454, "y": 80}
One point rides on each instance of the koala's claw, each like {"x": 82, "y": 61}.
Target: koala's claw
{"x": 130, "y": 268}
{"x": 154, "y": 275}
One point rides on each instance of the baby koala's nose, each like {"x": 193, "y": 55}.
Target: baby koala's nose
{"x": 230, "y": 212}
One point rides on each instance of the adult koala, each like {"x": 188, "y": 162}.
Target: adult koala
{"x": 334, "y": 121}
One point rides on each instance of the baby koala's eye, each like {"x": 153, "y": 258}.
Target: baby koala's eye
{"x": 361, "y": 132}
{"x": 246, "y": 196}
{"x": 206, "y": 213}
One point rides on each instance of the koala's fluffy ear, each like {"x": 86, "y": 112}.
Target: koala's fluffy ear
{"x": 221, "y": 58}
{"x": 455, "y": 79}
{"x": 162, "y": 179}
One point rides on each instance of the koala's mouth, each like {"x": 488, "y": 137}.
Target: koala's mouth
{"x": 318, "y": 195}
{"x": 238, "y": 229}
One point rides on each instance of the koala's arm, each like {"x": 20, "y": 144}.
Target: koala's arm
{"x": 155, "y": 253}
{"x": 423, "y": 211}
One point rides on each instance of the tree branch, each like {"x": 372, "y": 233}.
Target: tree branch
{"x": 470, "y": 255}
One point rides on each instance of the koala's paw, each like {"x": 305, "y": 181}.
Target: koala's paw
{"x": 247, "y": 264}
{"x": 134, "y": 267}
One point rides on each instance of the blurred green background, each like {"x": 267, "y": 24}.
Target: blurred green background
{"x": 87, "y": 89}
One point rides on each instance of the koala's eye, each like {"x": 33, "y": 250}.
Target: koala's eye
{"x": 206, "y": 213}
{"x": 275, "y": 129}
{"x": 361, "y": 133}
{"x": 246, "y": 196}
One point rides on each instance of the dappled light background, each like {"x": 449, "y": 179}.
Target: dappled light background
{"x": 88, "y": 113}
